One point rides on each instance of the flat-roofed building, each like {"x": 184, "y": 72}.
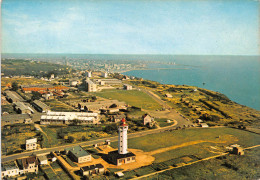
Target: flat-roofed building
{"x": 31, "y": 144}
{"x": 11, "y": 119}
{"x": 78, "y": 154}
{"x": 92, "y": 170}
{"x": 104, "y": 74}
{"x": 128, "y": 87}
{"x": 40, "y": 106}
{"x": 107, "y": 81}
{"x": 43, "y": 160}
{"x": 69, "y": 118}
{"x": 9, "y": 169}
{"x": 90, "y": 86}
{"x": 101, "y": 105}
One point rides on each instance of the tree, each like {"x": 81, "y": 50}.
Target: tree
{"x": 71, "y": 139}
{"x": 36, "y": 95}
{"x": 14, "y": 86}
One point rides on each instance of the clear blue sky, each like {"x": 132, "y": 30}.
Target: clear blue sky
{"x": 131, "y": 27}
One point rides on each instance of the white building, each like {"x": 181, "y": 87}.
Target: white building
{"x": 122, "y": 137}
{"x": 90, "y": 86}
{"x": 128, "y": 87}
{"x": 31, "y": 144}
{"x": 89, "y": 74}
{"x": 69, "y": 118}
{"x": 43, "y": 160}
{"x": 104, "y": 74}
{"x": 9, "y": 169}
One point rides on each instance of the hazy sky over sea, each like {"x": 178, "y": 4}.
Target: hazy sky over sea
{"x": 131, "y": 27}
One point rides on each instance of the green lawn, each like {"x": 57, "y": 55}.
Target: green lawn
{"x": 133, "y": 98}
{"x": 163, "y": 122}
{"x": 176, "y": 137}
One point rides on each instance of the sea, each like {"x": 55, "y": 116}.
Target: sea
{"x": 238, "y": 77}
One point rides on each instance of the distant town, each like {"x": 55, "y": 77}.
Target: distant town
{"x": 84, "y": 119}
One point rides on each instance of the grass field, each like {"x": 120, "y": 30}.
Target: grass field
{"x": 177, "y": 137}
{"x": 133, "y": 98}
{"x": 59, "y": 106}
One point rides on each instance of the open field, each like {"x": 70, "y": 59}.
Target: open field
{"x": 56, "y": 105}
{"x": 133, "y": 98}
{"x": 223, "y": 136}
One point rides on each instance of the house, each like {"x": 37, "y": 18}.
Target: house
{"x": 117, "y": 118}
{"x": 78, "y": 154}
{"x": 168, "y": 95}
{"x": 238, "y": 151}
{"x": 147, "y": 119}
{"x": 40, "y": 106}
{"x": 199, "y": 121}
{"x": 90, "y": 86}
{"x": 73, "y": 82}
{"x": 27, "y": 165}
{"x": 31, "y": 144}
{"x": 43, "y": 160}
{"x": 92, "y": 169}
{"x": 89, "y": 74}
{"x": 9, "y": 169}
{"x": 204, "y": 125}
{"x": 128, "y": 87}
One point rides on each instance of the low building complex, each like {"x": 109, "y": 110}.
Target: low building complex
{"x": 69, "y": 118}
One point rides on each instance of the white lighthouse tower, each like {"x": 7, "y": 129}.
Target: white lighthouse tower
{"x": 122, "y": 137}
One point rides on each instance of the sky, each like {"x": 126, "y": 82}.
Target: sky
{"x": 210, "y": 27}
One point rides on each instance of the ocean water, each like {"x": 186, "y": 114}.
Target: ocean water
{"x": 237, "y": 77}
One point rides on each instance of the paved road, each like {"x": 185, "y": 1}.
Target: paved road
{"x": 181, "y": 121}
{"x": 114, "y": 138}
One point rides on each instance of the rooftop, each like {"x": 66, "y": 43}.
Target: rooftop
{"x": 116, "y": 155}
{"x": 92, "y": 167}
{"x": 77, "y": 151}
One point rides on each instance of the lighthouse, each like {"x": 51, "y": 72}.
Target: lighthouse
{"x": 122, "y": 155}
{"x": 122, "y": 137}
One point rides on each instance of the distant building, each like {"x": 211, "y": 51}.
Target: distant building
{"x": 69, "y": 118}
{"x": 147, "y": 119}
{"x": 117, "y": 118}
{"x": 238, "y": 150}
{"x": 199, "y": 121}
{"x": 89, "y": 74}
{"x": 100, "y": 105}
{"x": 13, "y": 97}
{"x": 204, "y": 125}
{"x": 104, "y": 74}
{"x": 23, "y": 108}
{"x": 73, "y": 82}
{"x": 52, "y": 76}
{"x": 107, "y": 81}
{"x": 40, "y": 106}
{"x": 11, "y": 119}
{"x": 92, "y": 170}
{"x": 9, "y": 169}
{"x": 31, "y": 144}
{"x": 168, "y": 95}
{"x": 90, "y": 86}
{"x": 128, "y": 87}
{"x": 28, "y": 165}
{"x": 43, "y": 160}
{"x": 43, "y": 88}
{"x": 78, "y": 154}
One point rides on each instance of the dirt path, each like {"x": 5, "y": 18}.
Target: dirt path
{"x": 40, "y": 129}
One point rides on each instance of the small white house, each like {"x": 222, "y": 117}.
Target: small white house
{"x": 31, "y": 144}
{"x": 168, "y": 95}
{"x": 128, "y": 87}
{"x": 43, "y": 160}
{"x": 204, "y": 125}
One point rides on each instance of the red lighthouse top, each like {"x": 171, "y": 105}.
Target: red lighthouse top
{"x": 123, "y": 122}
